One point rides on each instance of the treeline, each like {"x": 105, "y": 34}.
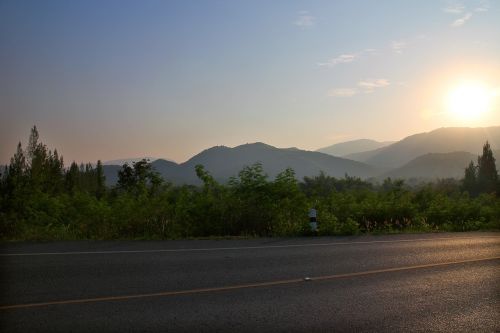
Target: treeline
{"x": 41, "y": 199}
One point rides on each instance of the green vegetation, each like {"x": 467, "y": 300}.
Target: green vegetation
{"x": 483, "y": 177}
{"x": 40, "y": 199}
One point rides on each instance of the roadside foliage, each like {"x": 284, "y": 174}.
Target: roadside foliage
{"x": 41, "y": 199}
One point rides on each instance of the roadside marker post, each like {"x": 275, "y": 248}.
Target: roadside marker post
{"x": 312, "y": 220}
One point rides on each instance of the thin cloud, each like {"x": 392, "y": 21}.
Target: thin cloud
{"x": 484, "y": 6}
{"x": 461, "y": 21}
{"x": 373, "y": 83}
{"x": 342, "y": 92}
{"x": 369, "y": 85}
{"x": 341, "y": 59}
{"x": 305, "y": 20}
{"x": 454, "y": 8}
{"x": 346, "y": 58}
{"x": 398, "y": 46}
{"x": 366, "y": 86}
{"x": 368, "y": 51}
{"x": 459, "y": 8}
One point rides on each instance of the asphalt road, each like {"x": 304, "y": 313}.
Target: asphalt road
{"x": 424, "y": 282}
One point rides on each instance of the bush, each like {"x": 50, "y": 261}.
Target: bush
{"x": 328, "y": 224}
{"x": 349, "y": 227}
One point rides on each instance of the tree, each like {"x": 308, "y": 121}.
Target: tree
{"x": 126, "y": 177}
{"x": 32, "y": 143}
{"x": 54, "y": 173}
{"x": 469, "y": 183}
{"x": 207, "y": 179}
{"x": 289, "y": 204}
{"x": 17, "y": 167}
{"x": 252, "y": 197}
{"x": 101, "y": 188}
{"x": 72, "y": 178}
{"x": 321, "y": 185}
{"x": 393, "y": 185}
{"x": 14, "y": 181}
{"x": 211, "y": 206}
{"x": 139, "y": 179}
{"x": 487, "y": 175}
{"x": 37, "y": 161}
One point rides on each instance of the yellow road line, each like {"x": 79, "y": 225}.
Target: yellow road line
{"x": 247, "y": 247}
{"x": 241, "y": 286}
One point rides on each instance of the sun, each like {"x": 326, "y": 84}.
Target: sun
{"x": 469, "y": 100}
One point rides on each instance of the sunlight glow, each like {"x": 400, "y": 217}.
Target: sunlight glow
{"x": 469, "y": 100}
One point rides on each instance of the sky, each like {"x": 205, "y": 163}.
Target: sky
{"x": 118, "y": 79}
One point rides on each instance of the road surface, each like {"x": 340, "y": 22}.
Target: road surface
{"x": 399, "y": 283}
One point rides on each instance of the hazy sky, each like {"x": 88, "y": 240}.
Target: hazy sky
{"x": 113, "y": 79}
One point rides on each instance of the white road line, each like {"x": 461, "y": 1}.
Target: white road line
{"x": 244, "y": 247}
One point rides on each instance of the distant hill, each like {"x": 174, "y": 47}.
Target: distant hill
{"x": 441, "y": 153}
{"x": 161, "y": 165}
{"x": 434, "y": 165}
{"x": 426, "y": 167}
{"x": 223, "y": 162}
{"x": 129, "y": 160}
{"x": 364, "y": 155}
{"x": 443, "y": 140}
{"x": 111, "y": 173}
{"x": 352, "y": 147}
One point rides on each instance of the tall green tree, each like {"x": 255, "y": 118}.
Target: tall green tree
{"x": 487, "y": 175}
{"x": 37, "y": 161}
{"x": 289, "y": 204}
{"x": 17, "y": 167}
{"x": 72, "y": 178}
{"x": 253, "y": 200}
{"x": 54, "y": 173}
{"x": 100, "y": 180}
{"x": 45, "y": 179}
{"x": 469, "y": 182}
{"x": 139, "y": 179}
{"x": 14, "y": 182}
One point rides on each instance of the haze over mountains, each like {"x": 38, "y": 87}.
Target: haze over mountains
{"x": 434, "y": 165}
{"x": 351, "y": 147}
{"x": 442, "y": 140}
{"x": 442, "y": 153}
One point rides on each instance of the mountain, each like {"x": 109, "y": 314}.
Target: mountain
{"x": 352, "y": 147}
{"x": 442, "y": 140}
{"x": 364, "y": 155}
{"x": 111, "y": 173}
{"x": 130, "y": 161}
{"x": 441, "y": 153}
{"x": 426, "y": 167}
{"x": 223, "y": 162}
{"x": 160, "y": 165}
{"x": 434, "y": 165}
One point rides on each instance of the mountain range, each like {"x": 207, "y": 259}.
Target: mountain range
{"x": 224, "y": 162}
{"x": 442, "y": 153}
{"x": 130, "y": 161}
{"x": 434, "y": 165}
{"x": 352, "y": 147}
{"x": 442, "y": 140}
